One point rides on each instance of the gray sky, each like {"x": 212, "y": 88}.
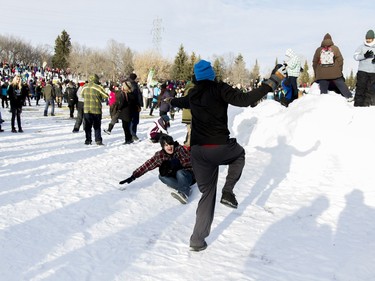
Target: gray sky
{"x": 260, "y": 30}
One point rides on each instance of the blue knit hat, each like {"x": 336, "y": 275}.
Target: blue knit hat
{"x": 204, "y": 71}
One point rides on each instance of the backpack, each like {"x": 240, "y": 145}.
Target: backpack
{"x": 326, "y": 57}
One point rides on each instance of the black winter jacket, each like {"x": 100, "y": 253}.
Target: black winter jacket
{"x": 208, "y": 102}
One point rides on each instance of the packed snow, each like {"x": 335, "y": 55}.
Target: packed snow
{"x": 306, "y": 200}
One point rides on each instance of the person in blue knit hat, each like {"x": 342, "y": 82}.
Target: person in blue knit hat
{"x": 204, "y": 71}
{"x": 211, "y": 145}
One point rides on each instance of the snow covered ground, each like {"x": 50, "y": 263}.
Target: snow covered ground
{"x": 306, "y": 201}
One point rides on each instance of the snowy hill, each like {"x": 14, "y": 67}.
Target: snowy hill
{"x": 306, "y": 201}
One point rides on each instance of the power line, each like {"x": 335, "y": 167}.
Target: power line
{"x": 156, "y": 34}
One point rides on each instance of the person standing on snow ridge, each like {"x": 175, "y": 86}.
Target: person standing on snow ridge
{"x": 293, "y": 69}
{"x": 211, "y": 145}
{"x": 365, "y": 87}
{"x": 327, "y": 64}
{"x": 175, "y": 170}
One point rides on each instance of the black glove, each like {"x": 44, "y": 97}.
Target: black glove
{"x": 369, "y": 54}
{"x": 277, "y": 75}
{"x": 373, "y": 60}
{"x": 169, "y": 168}
{"x": 165, "y": 168}
{"x": 128, "y": 180}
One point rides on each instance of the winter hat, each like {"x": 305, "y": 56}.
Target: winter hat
{"x": 370, "y": 34}
{"x": 204, "y": 71}
{"x": 327, "y": 41}
{"x": 289, "y": 53}
{"x": 133, "y": 76}
{"x": 126, "y": 86}
{"x": 327, "y": 36}
{"x": 166, "y": 139}
{"x": 94, "y": 78}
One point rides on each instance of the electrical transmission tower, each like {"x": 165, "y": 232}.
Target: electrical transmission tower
{"x": 156, "y": 34}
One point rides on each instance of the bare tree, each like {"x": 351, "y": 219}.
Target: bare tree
{"x": 120, "y": 60}
{"x": 151, "y": 60}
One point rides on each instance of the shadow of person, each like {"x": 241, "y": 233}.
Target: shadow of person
{"x": 354, "y": 240}
{"x": 269, "y": 178}
{"x": 297, "y": 246}
{"x": 276, "y": 170}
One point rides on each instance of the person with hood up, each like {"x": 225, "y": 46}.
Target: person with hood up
{"x": 211, "y": 145}
{"x": 328, "y": 64}
{"x": 175, "y": 170}
{"x": 365, "y": 87}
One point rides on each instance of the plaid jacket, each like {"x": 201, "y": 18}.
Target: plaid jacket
{"x": 155, "y": 161}
{"x": 93, "y": 94}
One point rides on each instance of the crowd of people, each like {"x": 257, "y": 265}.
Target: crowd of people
{"x": 204, "y": 102}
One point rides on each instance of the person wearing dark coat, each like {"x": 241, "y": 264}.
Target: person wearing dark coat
{"x": 328, "y": 72}
{"x": 125, "y": 101}
{"x": 71, "y": 93}
{"x": 136, "y": 108}
{"x": 211, "y": 145}
{"x": 17, "y": 100}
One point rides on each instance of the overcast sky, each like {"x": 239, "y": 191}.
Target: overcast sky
{"x": 260, "y": 30}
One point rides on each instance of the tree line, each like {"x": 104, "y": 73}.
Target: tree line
{"x": 117, "y": 61}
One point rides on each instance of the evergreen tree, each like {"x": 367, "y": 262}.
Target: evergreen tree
{"x": 255, "y": 74}
{"x": 190, "y": 68}
{"x": 351, "y": 81}
{"x": 180, "y": 68}
{"x": 218, "y": 68}
{"x": 62, "y": 51}
{"x": 239, "y": 72}
{"x": 304, "y": 78}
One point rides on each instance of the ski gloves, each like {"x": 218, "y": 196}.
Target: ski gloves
{"x": 277, "y": 75}
{"x": 368, "y": 54}
{"x": 128, "y": 180}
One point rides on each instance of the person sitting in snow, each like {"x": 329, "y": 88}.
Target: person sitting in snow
{"x": 159, "y": 128}
{"x": 175, "y": 169}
